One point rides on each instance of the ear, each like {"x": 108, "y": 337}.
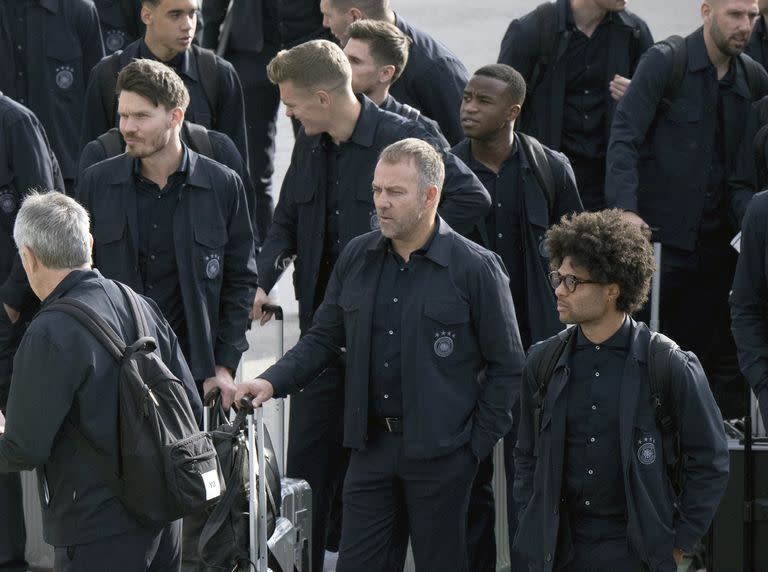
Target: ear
{"x": 432, "y": 197}
{"x": 146, "y": 13}
{"x": 90, "y": 242}
{"x": 513, "y": 113}
{"x": 706, "y": 11}
{"x": 356, "y": 14}
{"x": 29, "y": 258}
{"x": 613, "y": 293}
{"x": 386, "y": 73}
{"x": 177, "y": 116}
{"x": 323, "y": 97}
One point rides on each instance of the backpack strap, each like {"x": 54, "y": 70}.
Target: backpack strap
{"x": 410, "y": 112}
{"x": 548, "y": 46}
{"x": 543, "y": 369}
{"x": 198, "y": 139}
{"x": 94, "y": 323}
{"x": 139, "y": 317}
{"x": 107, "y": 82}
{"x": 759, "y": 152}
{"x": 542, "y": 170}
{"x": 112, "y": 142}
{"x": 208, "y": 72}
{"x": 753, "y": 71}
{"x": 679, "y": 62}
{"x": 660, "y": 354}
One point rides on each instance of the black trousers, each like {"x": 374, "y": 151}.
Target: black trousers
{"x": 382, "y": 485}
{"x": 315, "y": 453}
{"x": 138, "y": 550}
{"x": 262, "y": 100}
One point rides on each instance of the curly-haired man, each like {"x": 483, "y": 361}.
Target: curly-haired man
{"x": 602, "y": 486}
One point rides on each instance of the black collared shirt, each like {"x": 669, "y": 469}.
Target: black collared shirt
{"x": 586, "y": 91}
{"x": 593, "y": 482}
{"x": 17, "y": 26}
{"x": 177, "y": 62}
{"x": 505, "y": 235}
{"x": 396, "y": 284}
{"x": 157, "y": 255}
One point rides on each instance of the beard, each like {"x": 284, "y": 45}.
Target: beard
{"x": 144, "y": 147}
{"x": 725, "y": 44}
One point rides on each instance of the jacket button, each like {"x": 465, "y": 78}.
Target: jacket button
{"x": 74, "y": 496}
{"x": 548, "y": 557}
{"x": 555, "y": 511}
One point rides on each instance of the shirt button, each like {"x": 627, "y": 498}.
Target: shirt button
{"x": 587, "y": 503}
{"x": 590, "y": 472}
{"x": 586, "y": 116}
{"x": 597, "y": 374}
{"x": 394, "y": 300}
{"x": 149, "y": 286}
{"x": 586, "y": 91}
{"x": 386, "y": 396}
{"x": 336, "y": 211}
{"x": 597, "y": 348}
{"x": 151, "y": 256}
{"x": 386, "y": 364}
{"x": 591, "y": 439}
{"x": 498, "y": 205}
{"x": 20, "y": 74}
{"x": 594, "y": 408}
{"x": 501, "y": 235}
{"x": 19, "y": 48}
{"x": 391, "y": 332}
{"x": 154, "y": 226}
{"x": 159, "y": 196}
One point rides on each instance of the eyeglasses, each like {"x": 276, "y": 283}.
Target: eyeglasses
{"x": 555, "y": 279}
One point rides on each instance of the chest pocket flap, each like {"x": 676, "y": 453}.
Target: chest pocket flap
{"x": 211, "y": 236}
{"x": 447, "y": 311}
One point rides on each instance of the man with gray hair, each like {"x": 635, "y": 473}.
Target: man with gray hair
{"x": 64, "y": 381}
{"x": 433, "y": 364}
{"x": 325, "y": 203}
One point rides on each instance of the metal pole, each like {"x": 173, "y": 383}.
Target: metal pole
{"x": 262, "y": 491}
{"x": 656, "y": 288}
{"x": 253, "y": 523}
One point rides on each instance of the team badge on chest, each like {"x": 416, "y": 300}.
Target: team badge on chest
{"x": 212, "y": 266}
{"x": 65, "y": 77}
{"x": 8, "y": 201}
{"x": 115, "y": 40}
{"x": 373, "y": 220}
{"x": 444, "y": 344}
{"x": 646, "y": 450}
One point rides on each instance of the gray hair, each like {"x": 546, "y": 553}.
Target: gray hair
{"x": 428, "y": 160}
{"x": 56, "y": 229}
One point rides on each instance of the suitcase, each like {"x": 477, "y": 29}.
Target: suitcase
{"x": 297, "y": 507}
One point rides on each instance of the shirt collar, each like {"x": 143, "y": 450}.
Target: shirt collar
{"x": 476, "y": 165}
{"x": 437, "y": 248}
{"x": 183, "y": 167}
{"x": 50, "y": 5}
{"x": 365, "y": 129}
{"x": 180, "y": 62}
{"x": 570, "y": 23}
{"x": 69, "y": 282}
{"x": 619, "y": 340}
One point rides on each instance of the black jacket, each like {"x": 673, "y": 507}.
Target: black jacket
{"x": 225, "y": 114}
{"x": 298, "y": 228}
{"x": 391, "y": 104}
{"x": 757, "y": 48}
{"x": 464, "y": 397}
{"x": 543, "y": 320}
{"x": 433, "y": 81}
{"x": 63, "y": 375}
{"x": 223, "y": 151}
{"x": 542, "y": 115}
{"x": 26, "y": 162}
{"x": 657, "y": 147}
{"x": 210, "y": 222}
{"x": 63, "y": 44}
{"x": 120, "y": 23}
{"x": 657, "y": 522}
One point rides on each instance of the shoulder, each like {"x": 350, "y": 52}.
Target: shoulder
{"x": 13, "y": 114}
{"x": 462, "y": 149}
{"x": 216, "y": 171}
{"x": 79, "y": 7}
{"x": 223, "y": 67}
{"x": 355, "y": 248}
{"x": 757, "y": 211}
{"x": 633, "y": 20}
{"x": 545, "y": 347}
{"x": 103, "y": 171}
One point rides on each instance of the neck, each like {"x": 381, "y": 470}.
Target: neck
{"x": 492, "y": 152}
{"x": 720, "y": 60}
{"x": 343, "y": 122}
{"x": 378, "y": 94}
{"x": 405, "y": 247}
{"x": 599, "y": 331}
{"x": 160, "y": 52}
{"x": 587, "y": 15}
{"x": 159, "y": 166}
{"x": 390, "y": 16}
{"x": 51, "y": 279}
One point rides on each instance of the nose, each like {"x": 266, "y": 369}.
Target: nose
{"x": 188, "y": 23}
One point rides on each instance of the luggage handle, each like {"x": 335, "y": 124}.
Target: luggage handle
{"x": 274, "y": 309}
{"x": 257, "y": 529}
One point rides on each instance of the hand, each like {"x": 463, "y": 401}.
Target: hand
{"x": 677, "y": 554}
{"x": 259, "y": 301}
{"x": 618, "y": 87}
{"x": 13, "y": 315}
{"x": 225, "y": 383}
{"x": 260, "y": 389}
{"x": 629, "y": 216}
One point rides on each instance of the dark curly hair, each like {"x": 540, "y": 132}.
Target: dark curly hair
{"x": 613, "y": 250}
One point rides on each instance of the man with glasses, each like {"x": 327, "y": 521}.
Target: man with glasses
{"x": 602, "y": 498}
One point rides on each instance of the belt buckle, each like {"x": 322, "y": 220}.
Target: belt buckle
{"x": 388, "y": 421}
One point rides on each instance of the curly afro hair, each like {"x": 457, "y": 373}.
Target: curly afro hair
{"x": 613, "y": 250}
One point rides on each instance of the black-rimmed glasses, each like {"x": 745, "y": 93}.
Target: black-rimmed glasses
{"x": 555, "y": 279}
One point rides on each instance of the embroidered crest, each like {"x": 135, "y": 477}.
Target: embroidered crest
{"x": 373, "y": 220}
{"x": 65, "y": 77}
{"x": 646, "y": 451}
{"x": 543, "y": 252}
{"x": 212, "y": 266}
{"x": 115, "y": 40}
{"x": 444, "y": 343}
{"x": 8, "y": 201}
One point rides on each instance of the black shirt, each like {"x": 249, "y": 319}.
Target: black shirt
{"x": 586, "y": 91}
{"x": 157, "y": 259}
{"x": 17, "y": 25}
{"x": 396, "y": 283}
{"x": 505, "y": 235}
{"x": 593, "y": 482}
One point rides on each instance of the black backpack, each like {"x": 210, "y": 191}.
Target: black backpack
{"x": 194, "y": 135}
{"x": 167, "y": 467}
{"x": 542, "y": 170}
{"x": 660, "y": 352}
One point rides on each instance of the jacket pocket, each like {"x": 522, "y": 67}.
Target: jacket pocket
{"x": 683, "y": 112}
{"x": 210, "y": 242}
{"x": 647, "y": 445}
{"x": 446, "y": 329}
{"x": 65, "y": 66}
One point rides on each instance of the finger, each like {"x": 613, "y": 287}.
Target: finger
{"x": 265, "y": 317}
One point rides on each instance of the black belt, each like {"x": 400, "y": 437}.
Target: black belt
{"x": 389, "y": 424}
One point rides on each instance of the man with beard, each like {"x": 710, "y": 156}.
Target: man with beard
{"x": 674, "y": 143}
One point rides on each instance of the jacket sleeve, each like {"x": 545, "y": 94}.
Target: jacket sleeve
{"x": 644, "y": 42}
{"x": 493, "y": 317}
{"x": 92, "y": 153}
{"x": 89, "y": 31}
{"x": 279, "y": 248}
{"x": 749, "y": 297}
{"x": 742, "y": 183}
{"x": 634, "y": 115}
{"x": 704, "y": 447}
{"x": 230, "y": 112}
{"x": 319, "y": 346}
{"x": 238, "y": 286}
{"x": 567, "y": 199}
{"x": 439, "y": 91}
{"x": 36, "y": 388}
{"x": 525, "y": 460}
{"x": 520, "y": 46}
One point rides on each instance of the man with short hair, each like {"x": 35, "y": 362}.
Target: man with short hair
{"x": 49, "y": 48}
{"x": 378, "y": 53}
{"x": 69, "y": 379}
{"x": 677, "y": 136}
{"x": 757, "y": 48}
{"x": 434, "y": 77}
{"x": 215, "y": 94}
{"x": 323, "y": 205}
{"x": 603, "y": 487}
{"x": 531, "y": 187}
{"x": 577, "y": 57}
{"x": 433, "y": 361}
{"x": 174, "y": 224}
